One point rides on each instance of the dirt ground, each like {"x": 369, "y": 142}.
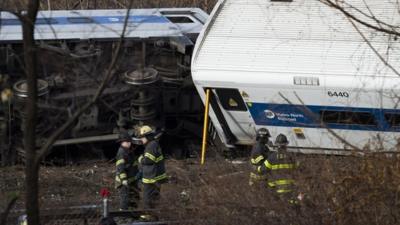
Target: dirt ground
{"x": 338, "y": 190}
{"x": 68, "y": 187}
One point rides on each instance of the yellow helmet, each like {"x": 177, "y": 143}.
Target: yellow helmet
{"x": 145, "y": 130}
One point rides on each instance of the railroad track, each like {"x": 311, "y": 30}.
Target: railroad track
{"x": 92, "y": 214}
{"x": 89, "y": 214}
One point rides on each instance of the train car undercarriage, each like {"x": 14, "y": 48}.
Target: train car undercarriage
{"x": 151, "y": 83}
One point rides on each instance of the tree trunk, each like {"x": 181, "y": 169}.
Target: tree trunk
{"x": 31, "y": 167}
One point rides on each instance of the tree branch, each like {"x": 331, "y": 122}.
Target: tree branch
{"x": 348, "y": 14}
{"x": 373, "y": 48}
{"x": 4, "y": 215}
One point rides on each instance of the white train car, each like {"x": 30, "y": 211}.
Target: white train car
{"x": 301, "y": 68}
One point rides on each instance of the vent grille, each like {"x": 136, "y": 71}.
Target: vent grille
{"x": 309, "y": 81}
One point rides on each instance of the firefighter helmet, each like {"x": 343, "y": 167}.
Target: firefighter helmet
{"x": 281, "y": 140}
{"x": 145, "y": 130}
{"x": 263, "y": 133}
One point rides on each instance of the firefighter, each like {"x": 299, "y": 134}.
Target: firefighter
{"x": 153, "y": 168}
{"x": 127, "y": 173}
{"x": 259, "y": 153}
{"x": 279, "y": 167}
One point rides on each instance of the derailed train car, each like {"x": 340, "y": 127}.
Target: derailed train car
{"x": 152, "y": 83}
{"x": 304, "y": 69}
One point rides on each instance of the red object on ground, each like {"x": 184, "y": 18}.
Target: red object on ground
{"x": 104, "y": 192}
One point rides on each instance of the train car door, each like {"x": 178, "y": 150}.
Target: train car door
{"x": 234, "y": 111}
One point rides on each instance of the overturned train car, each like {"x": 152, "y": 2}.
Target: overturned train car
{"x": 152, "y": 82}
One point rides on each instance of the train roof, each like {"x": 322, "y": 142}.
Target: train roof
{"x": 106, "y": 24}
{"x": 254, "y": 38}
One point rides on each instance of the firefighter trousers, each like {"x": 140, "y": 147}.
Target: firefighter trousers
{"x": 151, "y": 195}
{"x": 129, "y": 196}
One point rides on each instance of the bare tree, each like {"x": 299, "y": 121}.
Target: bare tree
{"x": 34, "y": 155}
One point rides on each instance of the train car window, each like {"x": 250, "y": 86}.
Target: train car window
{"x": 10, "y": 22}
{"x": 347, "y": 117}
{"x": 41, "y": 21}
{"x": 231, "y": 99}
{"x": 79, "y": 20}
{"x": 180, "y": 19}
{"x": 393, "y": 119}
